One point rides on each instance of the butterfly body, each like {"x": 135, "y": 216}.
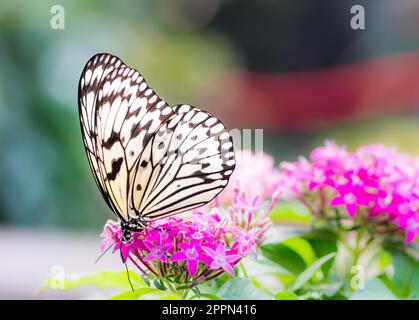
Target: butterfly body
{"x": 129, "y": 227}
{"x": 149, "y": 160}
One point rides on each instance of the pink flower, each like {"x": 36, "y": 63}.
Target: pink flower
{"x": 192, "y": 253}
{"x": 205, "y": 243}
{"x": 329, "y": 154}
{"x": 375, "y": 181}
{"x": 293, "y": 177}
{"x": 412, "y": 227}
{"x": 158, "y": 252}
{"x": 199, "y": 246}
{"x": 220, "y": 259}
{"x": 245, "y": 242}
{"x": 112, "y": 235}
{"x": 158, "y": 244}
{"x": 255, "y": 175}
{"x": 351, "y": 197}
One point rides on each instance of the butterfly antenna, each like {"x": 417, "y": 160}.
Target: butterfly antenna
{"x": 104, "y": 252}
{"x": 158, "y": 228}
{"x": 126, "y": 268}
{"x": 129, "y": 278}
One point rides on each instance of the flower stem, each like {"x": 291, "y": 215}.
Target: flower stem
{"x": 169, "y": 285}
{"x": 243, "y": 270}
{"x": 137, "y": 265}
{"x": 185, "y": 294}
{"x": 357, "y": 252}
{"x": 146, "y": 264}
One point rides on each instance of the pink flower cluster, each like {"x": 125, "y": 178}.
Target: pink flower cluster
{"x": 196, "y": 247}
{"x": 375, "y": 183}
{"x": 255, "y": 174}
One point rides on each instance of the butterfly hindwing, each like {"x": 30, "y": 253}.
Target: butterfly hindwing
{"x": 185, "y": 165}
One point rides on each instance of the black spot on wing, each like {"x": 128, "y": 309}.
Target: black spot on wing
{"x": 114, "y": 137}
{"x": 116, "y": 167}
{"x": 137, "y": 128}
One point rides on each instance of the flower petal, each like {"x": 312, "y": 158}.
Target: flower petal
{"x": 192, "y": 267}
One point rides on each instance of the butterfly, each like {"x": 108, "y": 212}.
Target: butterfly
{"x": 150, "y": 160}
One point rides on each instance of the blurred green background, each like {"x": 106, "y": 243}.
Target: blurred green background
{"x": 197, "y": 52}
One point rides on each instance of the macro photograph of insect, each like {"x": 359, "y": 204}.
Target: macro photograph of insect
{"x": 202, "y": 150}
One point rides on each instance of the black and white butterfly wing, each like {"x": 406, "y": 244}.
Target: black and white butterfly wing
{"x": 185, "y": 165}
{"x": 149, "y": 160}
{"x": 117, "y": 123}
{"x": 96, "y": 69}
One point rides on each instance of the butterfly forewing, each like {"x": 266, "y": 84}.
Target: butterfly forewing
{"x": 126, "y": 113}
{"x": 96, "y": 69}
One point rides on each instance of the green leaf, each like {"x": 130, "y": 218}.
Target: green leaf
{"x": 285, "y": 279}
{"x": 303, "y": 248}
{"x": 241, "y": 289}
{"x": 291, "y": 212}
{"x": 307, "y": 274}
{"x": 101, "y": 280}
{"x": 146, "y": 281}
{"x": 178, "y": 278}
{"x": 284, "y": 256}
{"x": 259, "y": 285}
{"x": 406, "y": 275}
{"x": 323, "y": 243}
{"x": 384, "y": 259}
{"x": 331, "y": 289}
{"x": 286, "y": 295}
{"x": 209, "y": 296}
{"x": 196, "y": 291}
{"x": 387, "y": 281}
{"x": 374, "y": 290}
{"x": 135, "y": 295}
{"x": 159, "y": 284}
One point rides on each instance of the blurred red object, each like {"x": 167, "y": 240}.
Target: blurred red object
{"x": 320, "y": 98}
